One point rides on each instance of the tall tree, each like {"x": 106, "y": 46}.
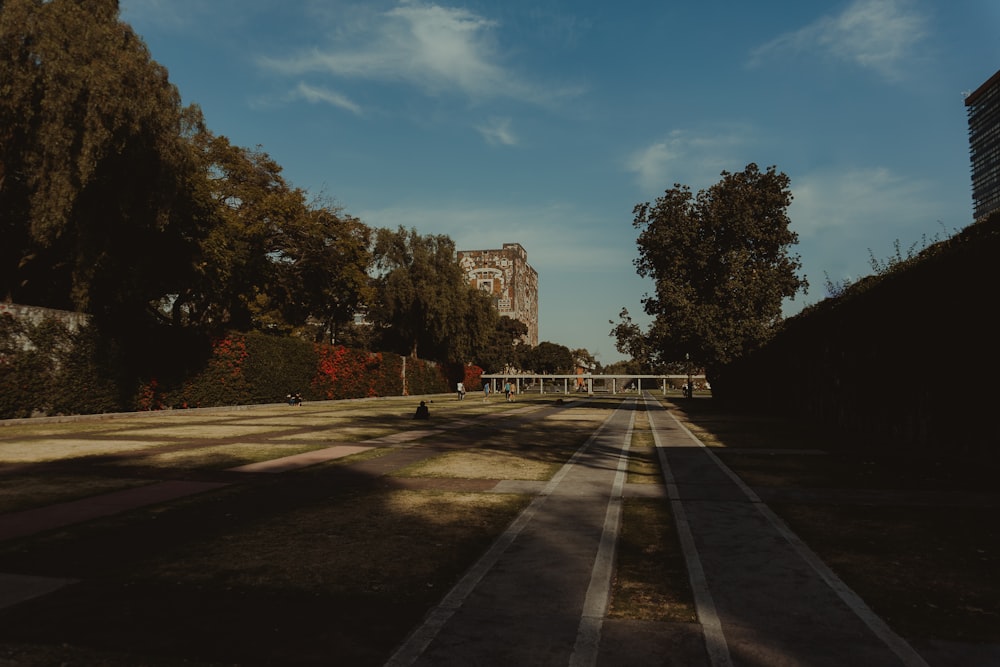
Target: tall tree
{"x": 95, "y": 211}
{"x": 326, "y": 270}
{"x": 423, "y": 304}
{"x": 551, "y": 358}
{"x": 505, "y": 346}
{"x": 260, "y": 226}
{"x": 721, "y": 266}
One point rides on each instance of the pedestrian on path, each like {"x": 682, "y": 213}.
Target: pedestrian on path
{"x": 486, "y": 391}
{"x": 461, "y": 391}
{"x": 506, "y": 390}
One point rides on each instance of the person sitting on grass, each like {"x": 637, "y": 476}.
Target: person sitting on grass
{"x": 422, "y": 411}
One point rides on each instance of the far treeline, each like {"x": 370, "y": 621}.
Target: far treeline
{"x": 117, "y": 201}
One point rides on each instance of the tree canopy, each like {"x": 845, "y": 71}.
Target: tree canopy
{"x": 548, "y": 357}
{"x": 423, "y": 303}
{"x": 721, "y": 267}
{"x": 117, "y": 201}
{"x": 93, "y": 168}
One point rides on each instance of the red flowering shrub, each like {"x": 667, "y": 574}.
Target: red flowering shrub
{"x": 473, "y": 377}
{"x": 149, "y": 396}
{"x": 222, "y": 381}
{"x": 345, "y": 373}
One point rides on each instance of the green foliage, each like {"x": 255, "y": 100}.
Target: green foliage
{"x": 93, "y": 170}
{"x": 49, "y": 369}
{"x": 223, "y": 380}
{"x": 91, "y": 374}
{"x": 505, "y": 348}
{"x": 25, "y": 369}
{"x": 549, "y": 358}
{"x": 721, "y": 267}
{"x": 904, "y": 361}
{"x": 276, "y": 366}
{"x": 898, "y": 261}
{"x": 389, "y": 381}
{"x": 423, "y": 377}
{"x": 423, "y": 304}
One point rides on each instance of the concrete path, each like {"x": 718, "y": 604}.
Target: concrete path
{"x": 763, "y": 597}
{"x": 538, "y": 597}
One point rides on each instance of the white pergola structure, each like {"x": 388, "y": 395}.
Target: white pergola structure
{"x": 611, "y": 384}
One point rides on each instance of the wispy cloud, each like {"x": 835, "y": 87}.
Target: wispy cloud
{"x": 582, "y": 242}
{"x": 880, "y": 35}
{"x": 326, "y": 96}
{"x": 845, "y": 216}
{"x": 436, "y": 49}
{"x": 497, "y": 132}
{"x": 693, "y": 158}
{"x": 839, "y": 201}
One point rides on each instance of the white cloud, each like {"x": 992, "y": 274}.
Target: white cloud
{"x": 881, "y": 35}
{"x": 437, "y": 49}
{"x": 856, "y": 199}
{"x": 846, "y": 217}
{"x": 497, "y": 131}
{"x": 319, "y": 94}
{"x": 693, "y": 159}
{"x": 556, "y": 236}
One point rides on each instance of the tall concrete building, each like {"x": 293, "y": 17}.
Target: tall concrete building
{"x": 506, "y": 276}
{"x": 983, "y": 107}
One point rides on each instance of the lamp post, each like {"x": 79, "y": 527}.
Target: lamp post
{"x": 688, "y": 388}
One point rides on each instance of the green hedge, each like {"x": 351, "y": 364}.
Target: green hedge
{"x": 46, "y": 369}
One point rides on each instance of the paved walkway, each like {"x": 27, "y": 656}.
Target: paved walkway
{"x": 539, "y": 595}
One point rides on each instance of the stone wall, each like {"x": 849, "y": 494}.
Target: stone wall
{"x": 35, "y": 315}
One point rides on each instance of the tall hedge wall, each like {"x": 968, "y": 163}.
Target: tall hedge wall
{"x": 905, "y": 361}
{"x": 47, "y": 368}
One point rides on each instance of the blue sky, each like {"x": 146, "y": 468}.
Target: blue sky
{"x": 545, "y": 122}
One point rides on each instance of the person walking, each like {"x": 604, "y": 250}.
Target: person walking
{"x": 461, "y": 391}
{"x": 506, "y": 390}
{"x": 486, "y": 391}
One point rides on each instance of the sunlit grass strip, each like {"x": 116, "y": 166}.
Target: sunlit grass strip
{"x": 643, "y": 465}
{"x": 482, "y": 464}
{"x": 36, "y": 451}
{"x": 217, "y": 457}
{"x": 651, "y": 581}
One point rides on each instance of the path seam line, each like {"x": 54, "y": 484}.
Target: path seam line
{"x": 595, "y": 605}
{"x": 415, "y": 645}
{"x": 879, "y": 627}
{"x": 708, "y": 616}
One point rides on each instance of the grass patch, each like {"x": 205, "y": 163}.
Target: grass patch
{"x": 930, "y": 572}
{"x": 398, "y": 544}
{"x": 482, "y": 464}
{"x": 300, "y": 571}
{"x": 643, "y": 462}
{"x": 651, "y": 581}
{"x": 217, "y": 457}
